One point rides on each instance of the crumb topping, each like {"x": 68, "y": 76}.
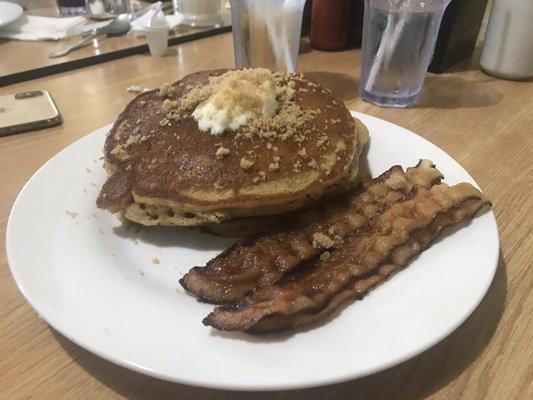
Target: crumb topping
{"x": 325, "y": 256}
{"x": 338, "y": 241}
{"x": 222, "y": 152}
{"x": 290, "y": 122}
{"x": 322, "y": 140}
{"x": 166, "y": 90}
{"x": 246, "y": 164}
{"x": 286, "y": 123}
{"x": 273, "y": 166}
{"x": 71, "y": 214}
{"x": 169, "y": 104}
{"x": 133, "y": 89}
{"x": 321, "y": 240}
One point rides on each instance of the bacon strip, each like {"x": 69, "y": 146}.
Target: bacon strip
{"x": 266, "y": 258}
{"x": 359, "y": 287}
{"x": 366, "y": 259}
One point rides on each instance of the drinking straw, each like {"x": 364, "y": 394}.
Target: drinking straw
{"x": 389, "y": 39}
{"x": 267, "y": 14}
{"x": 291, "y": 9}
{"x": 404, "y": 17}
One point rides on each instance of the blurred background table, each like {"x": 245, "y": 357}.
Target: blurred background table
{"x": 21, "y": 60}
{"x": 483, "y": 122}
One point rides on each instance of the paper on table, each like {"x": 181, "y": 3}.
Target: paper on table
{"x": 31, "y": 27}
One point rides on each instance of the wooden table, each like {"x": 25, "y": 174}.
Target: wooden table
{"x": 21, "y": 60}
{"x": 484, "y": 123}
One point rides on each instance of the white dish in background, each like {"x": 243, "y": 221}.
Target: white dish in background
{"x": 96, "y": 283}
{"x": 9, "y": 12}
{"x": 22, "y": 3}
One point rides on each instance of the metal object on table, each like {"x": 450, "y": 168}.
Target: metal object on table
{"x": 107, "y": 9}
{"x": 63, "y": 51}
{"x": 118, "y": 26}
{"x": 117, "y": 22}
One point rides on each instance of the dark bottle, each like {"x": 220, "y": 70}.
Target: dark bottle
{"x": 355, "y": 30}
{"x": 329, "y": 24}
{"x": 458, "y": 33}
{"x": 306, "y": 19}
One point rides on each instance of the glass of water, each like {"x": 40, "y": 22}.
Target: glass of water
{"x": 107, "y": 9}
{"x": 266, "y": 33}
{"x": 398, "y": 41}
{"x": 199, "y": 13}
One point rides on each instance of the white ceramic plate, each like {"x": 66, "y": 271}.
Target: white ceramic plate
{"x": 9, "y": 12}
{"x": 96, "y": 283}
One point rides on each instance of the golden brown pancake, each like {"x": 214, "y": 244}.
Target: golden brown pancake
{"x": 166, "y": 171}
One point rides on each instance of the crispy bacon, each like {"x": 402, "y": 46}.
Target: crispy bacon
{"x": 266, "y": 258}
{"x": 366, "y": 258}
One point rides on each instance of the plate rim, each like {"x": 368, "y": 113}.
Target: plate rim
{"x": 242, "y": 386}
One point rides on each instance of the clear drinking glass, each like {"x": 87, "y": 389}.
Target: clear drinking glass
{"x": 199, "y": 13}
{"x": 398, "y": 41}
{"x": 106, "y": 9}
{"x": 266, "y": 33}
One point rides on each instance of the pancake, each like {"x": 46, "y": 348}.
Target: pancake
{"x": 164, "y": 170}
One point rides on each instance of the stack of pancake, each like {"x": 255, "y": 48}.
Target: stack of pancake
{"x": 164, "y": 170}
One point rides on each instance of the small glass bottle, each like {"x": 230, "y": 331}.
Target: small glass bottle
{"x": 355, "y": 30}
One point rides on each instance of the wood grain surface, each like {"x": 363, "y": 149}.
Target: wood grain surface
{"x": 486, "y": 124}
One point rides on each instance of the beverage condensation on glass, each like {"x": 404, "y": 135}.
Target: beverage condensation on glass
{"x": 398, "y": 41}
{"x": 266, "y": 33}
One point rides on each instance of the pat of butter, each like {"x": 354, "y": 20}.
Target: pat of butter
{"x": 233, "y": 102}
